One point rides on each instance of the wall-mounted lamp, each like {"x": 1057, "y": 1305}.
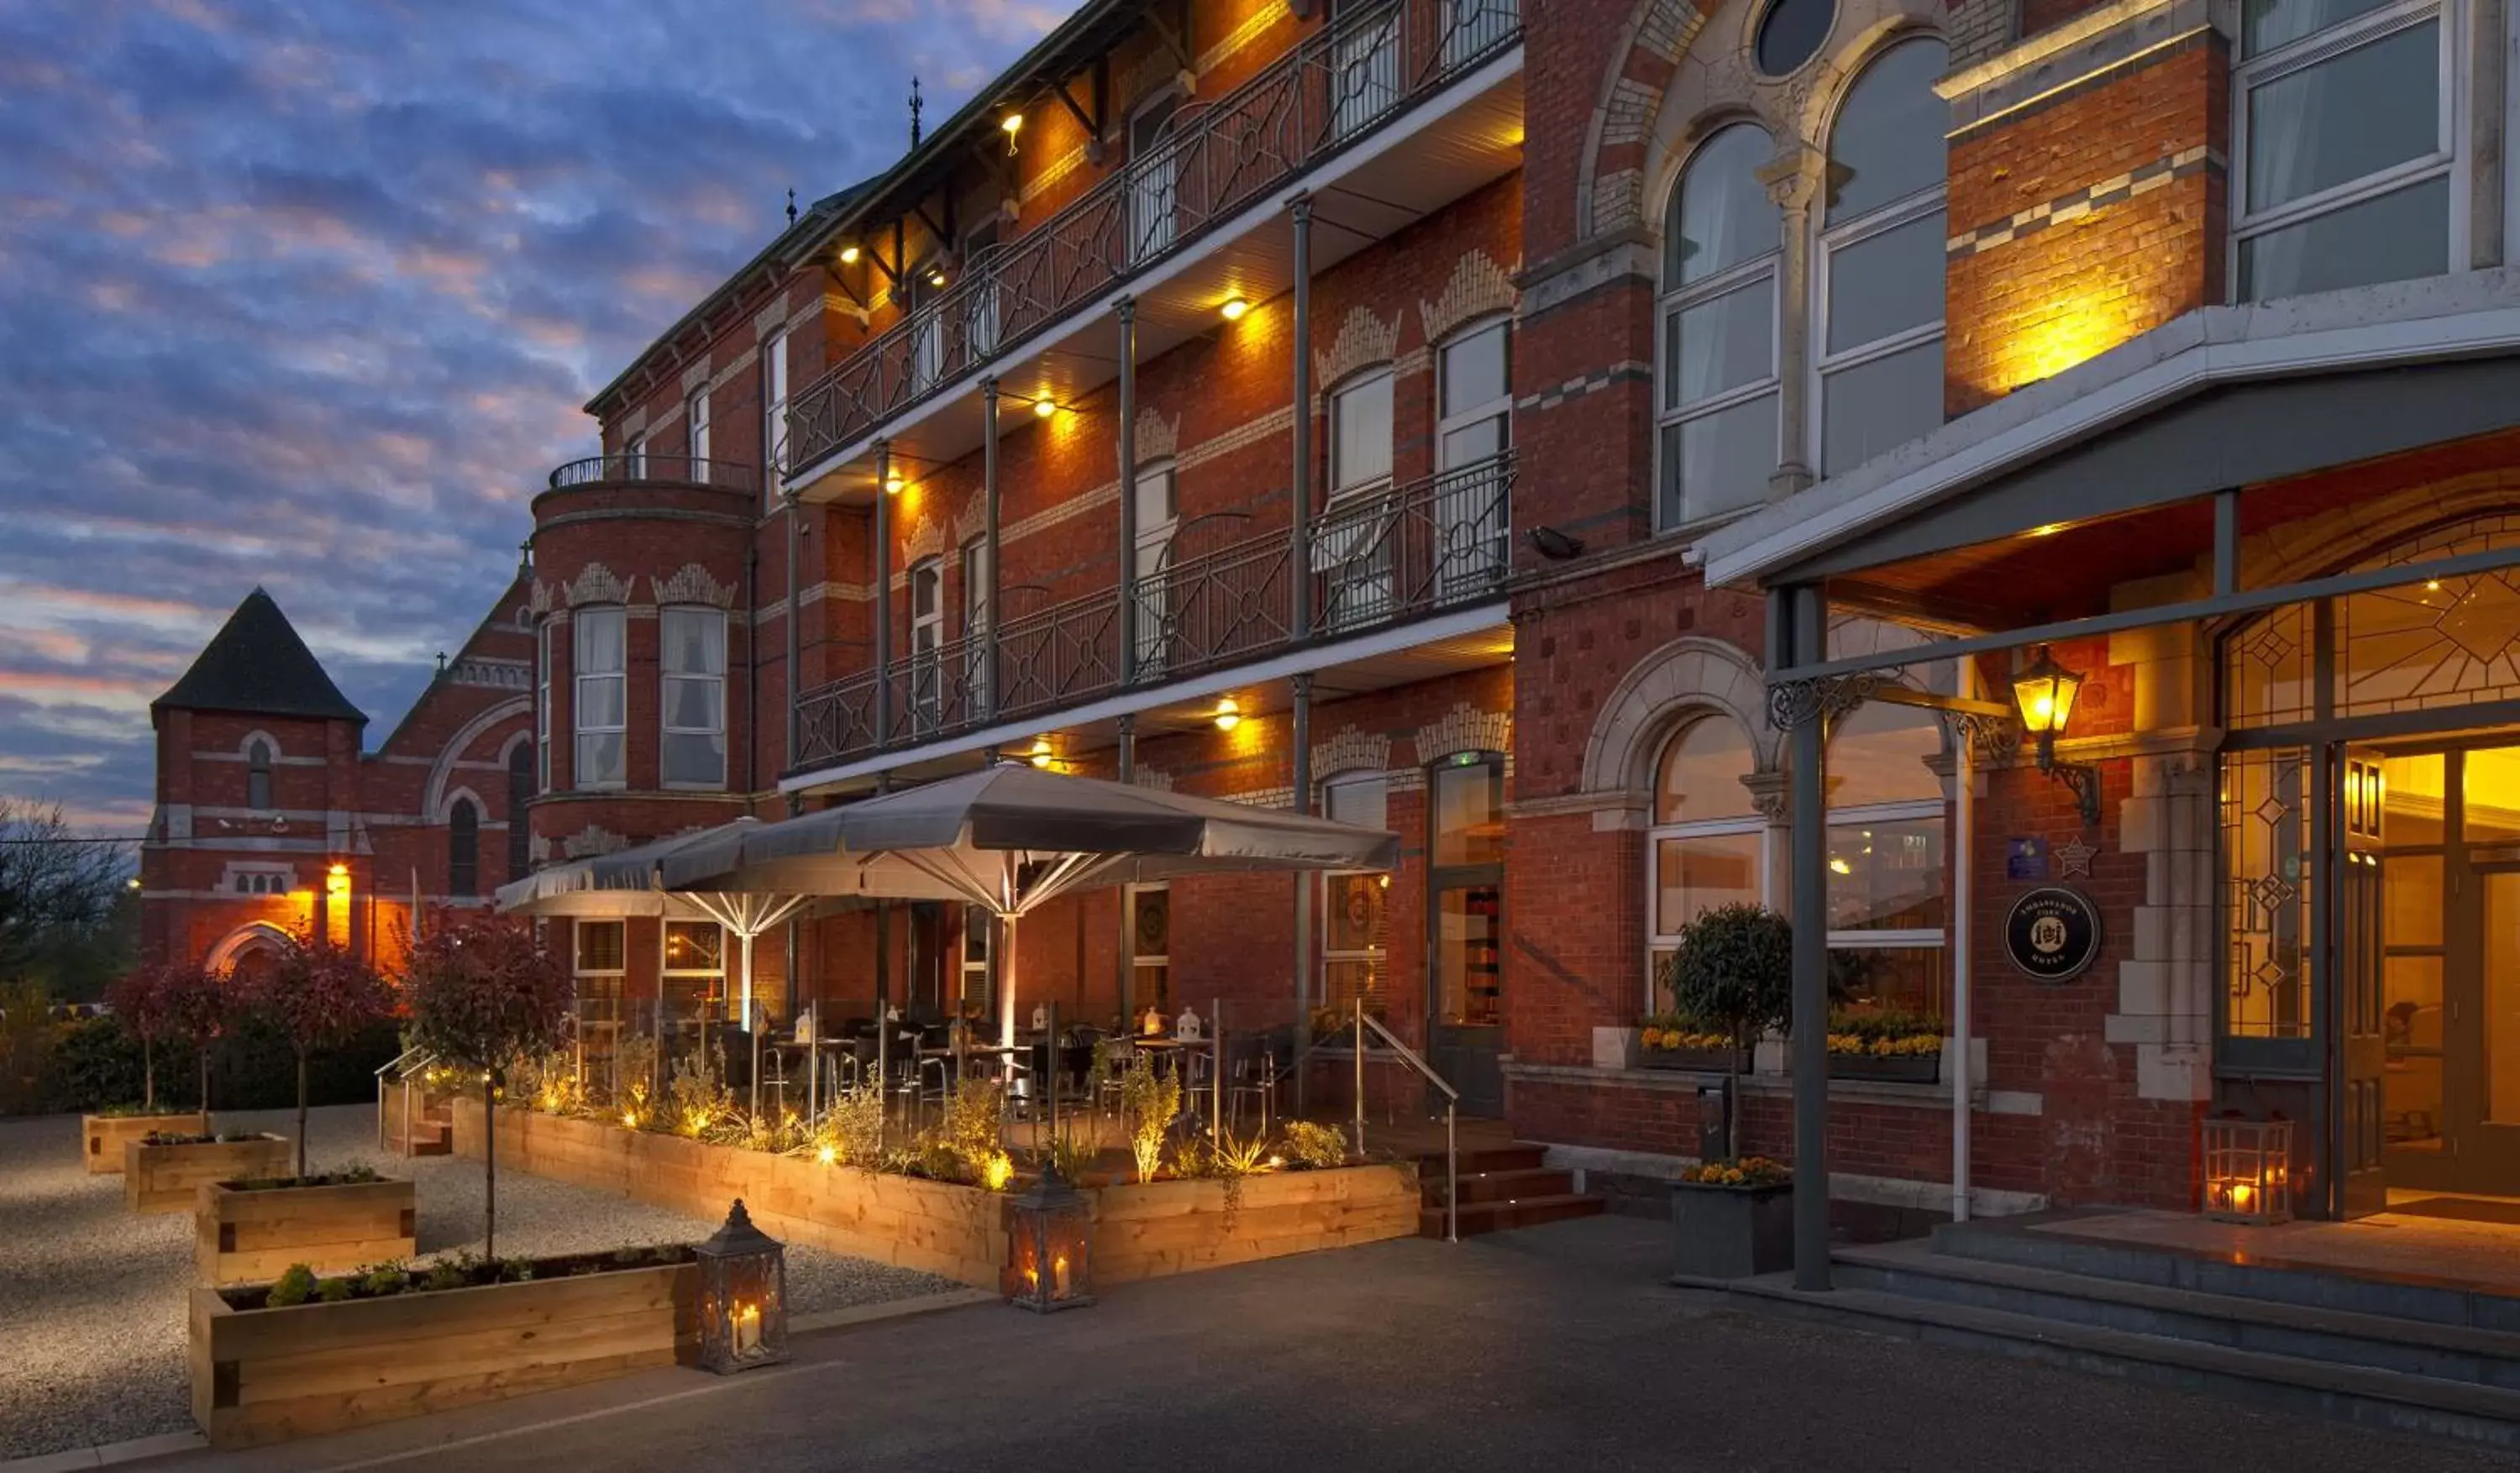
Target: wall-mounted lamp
{"x": 1554, "y": 545}
{"x": 1229, "y": 713}
{"x": 937, "y": 276}
{"x": 2045, "y": 695}
{"x": 848, "y": 255}
{"x": 336, "y": 880}
{"x": 892, "y": 486}
{"x": 1012, "y": 124}
{"x": 1044, "y": 407}
{"x": 1041, "y": 756}
{"x": 1233, "y": 308}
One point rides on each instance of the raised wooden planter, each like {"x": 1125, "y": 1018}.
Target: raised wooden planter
{"x": 243, "y": 1237}
{"x": 102, "y": 1136}
{"x": 264, "y": 1375}
{"x": 171, "y": 1178}
{"x": 1166, "y": 1227}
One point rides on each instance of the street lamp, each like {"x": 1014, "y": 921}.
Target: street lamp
{"x": 2045, "y": 695}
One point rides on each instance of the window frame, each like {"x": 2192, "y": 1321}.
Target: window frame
{"x": 926, "y": 664}
{"x": 1342, "y": 490}
{"x": 1376, "y": 959}
{"x": 1728, "y": 825}
{"x": 463, "y": 849}
{"x": 667, "y": 675}
{"x": 1669, "y": 301}
{"x": 666, "y": 971}
{"x": 1152, "y": 604}
{"x": 1829, "y": 240}
{"x": 773, "y": 415}
{"x": 1499, "y": 409}
{"x": 634, "y": 458}
{"x": 696, "y": 436}
{"x": 2448, "y": 160}
{"x": 260, "y": 757}
{"x": 543, "y": 705}
{"x": 580, "y": 678}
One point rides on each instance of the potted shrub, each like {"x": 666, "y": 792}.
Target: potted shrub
{"x": 320, "y": 998}
{"x": 138, "y": 999}
{"x": 1733, "y": 973}
{"x": 483, "y": 989}
{"x": 1733, "y": 1219}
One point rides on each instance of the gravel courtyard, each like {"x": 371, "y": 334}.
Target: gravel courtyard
{"x": 92, "y": 1297}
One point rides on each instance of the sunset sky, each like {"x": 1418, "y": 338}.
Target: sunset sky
{"x": 309, "y": 295}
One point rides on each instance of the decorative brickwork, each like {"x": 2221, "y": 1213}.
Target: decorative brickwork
{"x": 1478, "y": 287}
{"x": 692, "y": 584}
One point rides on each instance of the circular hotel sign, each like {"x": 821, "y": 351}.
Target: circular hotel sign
{"x": 2053, "y": 933}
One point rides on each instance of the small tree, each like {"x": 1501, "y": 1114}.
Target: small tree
{"x": 138, "y": 1000}
{"x": 1733, "y": 973}
{"x": 199, "y": 1006}
{"x": 320, "y": 997}
{"x": 483, "y": 989}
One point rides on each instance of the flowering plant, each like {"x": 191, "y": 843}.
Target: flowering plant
{"x": 1746, "y": 1170}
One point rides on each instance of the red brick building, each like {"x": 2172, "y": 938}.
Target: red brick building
{"x": 1519, "y": 426}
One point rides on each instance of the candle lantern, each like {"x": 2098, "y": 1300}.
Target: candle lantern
{"x": 743, "y": 1296}
{"x": 1054, "y": 1238}
{"x": 2248, "y": 1171}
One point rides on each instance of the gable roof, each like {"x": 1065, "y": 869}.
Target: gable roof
{"x": 257, "y": 665}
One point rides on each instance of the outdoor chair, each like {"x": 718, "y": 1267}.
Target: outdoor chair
{"x": 1257, "y": 1072}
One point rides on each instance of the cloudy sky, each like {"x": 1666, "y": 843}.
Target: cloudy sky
{"x": 308, "y": 296}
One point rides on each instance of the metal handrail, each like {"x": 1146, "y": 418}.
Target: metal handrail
{"x": 1335, "y": 88}
{"x": 654, "y": 466}
{"x": 402, "y": 1066}
{"x": 1452, "y": 1112}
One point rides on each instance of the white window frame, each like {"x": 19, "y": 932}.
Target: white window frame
{"x": 1357, "y": 560}
{"x": 465, "y": 803}
{"x": 1471, "y": 510}
{"x": 695, "y": 416}
{"x": 972, "y": 972}
{"x": 981, "y": 295}
{"x": 1826, "y": 365}
{"x": 543, "y": 705}
{"x": 580, "y": 681}
{"x": 720, "y": 993}
{"x": 976, "y": 624}
{"x": 579, "y": 971}
{"x": 926, "y": 695}
{"x": 634, "y": 458}
{"x": 2449, "y": 159}
{"x": 1154, "y": 542}
{"x": 1673, "y": 300}
{"x": 1153, "y": 216}
{"x": 1658, "y": 941}
{"x": 668, "y": 676}
{"x": 773, "y": 415}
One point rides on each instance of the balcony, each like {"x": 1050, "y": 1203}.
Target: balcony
{"x": 1336, "y": 108}
{"x": 1371, "y": 563}
{"x": 647, "y": 466}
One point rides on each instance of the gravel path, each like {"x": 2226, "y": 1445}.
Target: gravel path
{"x": 92, "y": 1296}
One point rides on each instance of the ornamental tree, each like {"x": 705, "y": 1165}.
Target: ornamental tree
{"x": 139, "y": 1007}
{"x": 483, "y": 989}
{"x": 320, "y": 998}
{"x": 1733, "y": 973}
{"x": 199, "y": 1006}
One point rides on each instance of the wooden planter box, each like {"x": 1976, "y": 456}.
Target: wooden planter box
{"x": 1731, "y": 1231}
{"x": 1899, "y": 1069}
{"x": 171, "y": 1178}
{"x": 1166, "y": 1227}
{"x": 265, "y": 1375}
{"x": 243, "y": 1237}
{"x": 1698, "y": 1060}
{"x": 103, "y": 1137}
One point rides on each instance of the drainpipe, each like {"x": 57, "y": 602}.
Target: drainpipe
{"x": 795, "y": 613}
{"x": 1300, "y": 738}
{"x": 751, "y": 671}
{"x": 1299, "y": 494}
{"x": 881, "y": 556}
{"x": 1127, "y": 307}
{"x": 992, "y": 692}
{"x": 1963, "y": 856}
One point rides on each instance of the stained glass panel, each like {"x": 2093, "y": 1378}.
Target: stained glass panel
{"x": 2267, "y": 979}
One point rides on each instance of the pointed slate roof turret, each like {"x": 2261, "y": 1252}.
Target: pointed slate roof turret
{"x": 257, "y": 665}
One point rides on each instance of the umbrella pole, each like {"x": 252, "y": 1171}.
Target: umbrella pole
{"x": 1007, "y": 995}
{"x": 751, "y": 1029}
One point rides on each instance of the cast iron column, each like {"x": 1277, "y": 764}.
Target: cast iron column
{"x": 795, "y": 612}
{"x": 1807, "y": 623}
{"x": 1127, "y": 307}
{"x": 1128, "y": 748}
{"x": 1299, "y": 497}
{"x": 881, "y": 556}
{"x": 1301, "y": 735}
{"x": 989, "y": 687}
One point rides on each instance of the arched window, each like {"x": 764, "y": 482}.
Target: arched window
{"x": 257, "y": 776}
{"x": 1718, "y": 354}
{"x": 2345, "y": 159}
{"x": 520, "y": 791}
{"x": 1709, "y": 843}
{"x": 1878, "y": 277}
{"x": 1888, "y": 883}
{"x": 463, "y": 849}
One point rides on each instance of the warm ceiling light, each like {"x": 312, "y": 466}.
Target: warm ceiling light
{"x": 892, "y": 486}
{"x": 1012, "y": 122}
{"x": 848, "y": 255}
{"x": 1233, "y": 308}
{"x": 1229, "y": 715}
{"x": 1041, "y": 756}
{"x": 937, "y": 276}
{"x": 1044, "y": 408}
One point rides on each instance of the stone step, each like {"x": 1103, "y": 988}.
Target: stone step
{"x": 2410, "y": 1346}
{"x": 1496, "y": 1186}
{"x": 1486, "y": 1158}
{"x": 2362, "y": 1394}
{"x": 2019, "y": 1243}
{"x": 1497, "y": 1216}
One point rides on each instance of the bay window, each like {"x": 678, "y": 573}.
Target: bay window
{"x": 691, "y": 653}
{"x": 599, "y": 697}
{"x": 1717, "y": 404}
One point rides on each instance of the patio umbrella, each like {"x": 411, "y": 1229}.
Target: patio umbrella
{"x": 1012, "y": 838}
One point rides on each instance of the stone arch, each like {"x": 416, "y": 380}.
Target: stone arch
{"x": 1693, "y": 676}
{"x": 244, "y": 746}
{"x": 434, "y": 796}
{"x": 252, "y": 937}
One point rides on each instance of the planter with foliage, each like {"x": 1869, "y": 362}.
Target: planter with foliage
{"x": 1894, "y": 1047}
{"x": 483, "y": 992}
{"x": 1670, "y": 1042}
{"x": 250, "y": 1231}
{"x": 167, "y": 1173}
{"x": 102, "y": 1136}
{"x": 1733, "y": 1219}
{"x": 307, "y": 1355}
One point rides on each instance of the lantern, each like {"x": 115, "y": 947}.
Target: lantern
{"x": 2044, "y": 694}
{"x": 1053, "y": 1237}
{"x": 743, "y": 1296}
{"x": 2248, "y": 1171}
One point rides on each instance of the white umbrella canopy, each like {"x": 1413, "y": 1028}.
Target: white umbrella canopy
{"x": 1012, "y": 838}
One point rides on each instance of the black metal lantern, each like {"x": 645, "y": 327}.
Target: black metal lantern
{"x": 743, "y": 1296}
{"x": 1053, "y": 1239}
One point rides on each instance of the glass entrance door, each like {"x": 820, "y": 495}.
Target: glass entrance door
{"x": 1466, "y": 929}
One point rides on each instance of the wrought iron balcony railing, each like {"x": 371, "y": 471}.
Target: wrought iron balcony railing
{"x": 1376, "y": 558}
{"x": 651, "y": 466}
{"x": 1338, "y": 86}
